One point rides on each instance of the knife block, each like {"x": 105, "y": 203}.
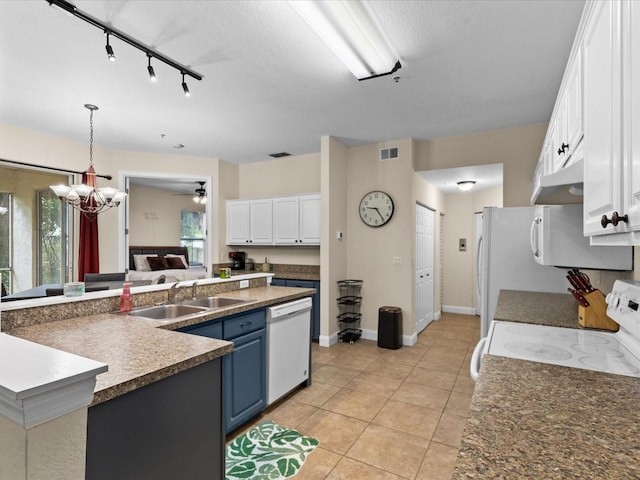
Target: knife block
{"x": 595, "y": 315}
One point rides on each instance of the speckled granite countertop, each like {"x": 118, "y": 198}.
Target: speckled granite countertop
{"x": 139, "y": 351}
{"x": 555, "y": 309}
{"x": 532, "y": 420}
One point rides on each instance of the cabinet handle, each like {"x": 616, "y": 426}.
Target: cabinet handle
{"x": 562, "y": 148}
{"x": 245, "y": 324}
{"x": 615, "y": 219}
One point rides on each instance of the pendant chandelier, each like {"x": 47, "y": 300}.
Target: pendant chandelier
{"x": 87, "y": 198}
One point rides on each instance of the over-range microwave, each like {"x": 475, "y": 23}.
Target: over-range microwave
{"x": 557, "y": 239}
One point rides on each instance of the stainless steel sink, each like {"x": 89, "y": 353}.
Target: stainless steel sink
{"x": 215, "y": 302}
{"x": 166, "y": 312}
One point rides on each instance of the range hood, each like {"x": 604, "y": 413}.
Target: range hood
{"x": 561, "y": 187}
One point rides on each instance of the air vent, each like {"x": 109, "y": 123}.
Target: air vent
{"x": 391, "y": 153}
{"x": 278, "y": 155}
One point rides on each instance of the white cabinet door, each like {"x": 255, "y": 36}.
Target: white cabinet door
{"x": 310, "y": 220}
{"x": 573, "y": 105}
{"x": 602, "y": 117}
{"x": 261, "y": 219}
{"x": 285, "y": 221}
{"x": 631, "y": 116}
{"x": 238, "y": 224}
{"x": 560, "y": 151}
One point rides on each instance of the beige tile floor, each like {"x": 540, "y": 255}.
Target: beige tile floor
{"x": 385, "y": 414}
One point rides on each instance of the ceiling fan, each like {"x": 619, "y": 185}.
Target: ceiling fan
{"x": 201, "y": 194}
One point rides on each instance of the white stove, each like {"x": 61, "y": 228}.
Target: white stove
{"x": 610, "y": 352}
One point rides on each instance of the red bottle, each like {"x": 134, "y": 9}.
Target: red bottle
{"x": 126, "y": 299}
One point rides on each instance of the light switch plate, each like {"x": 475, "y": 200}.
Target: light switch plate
{"x": 462, "y": 245}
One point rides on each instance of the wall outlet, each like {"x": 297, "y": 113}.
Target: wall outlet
{"x": 397, "y": 261}
{"x": 244, "y": 283}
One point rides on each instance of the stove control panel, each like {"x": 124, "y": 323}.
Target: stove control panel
{"x": 623, "y": 303}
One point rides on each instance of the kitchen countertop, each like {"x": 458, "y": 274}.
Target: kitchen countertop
{"x": 139, "y": 351}
{"x": 555, "y": 309}
{"x": 541, "y": 421}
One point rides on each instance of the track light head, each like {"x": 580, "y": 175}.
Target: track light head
{"x": 110, "y": 54}
{"x": 185, "y": 87}
{"x": 152, "y": 73}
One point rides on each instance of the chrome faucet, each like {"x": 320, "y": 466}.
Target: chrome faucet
{"x": 193, "y": 290}
{"x": 171, "y": 296}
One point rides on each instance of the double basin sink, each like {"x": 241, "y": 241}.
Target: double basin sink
{"x": 175, "y": 311}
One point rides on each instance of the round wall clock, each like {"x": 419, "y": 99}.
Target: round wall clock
{"x": 376, "y": 208}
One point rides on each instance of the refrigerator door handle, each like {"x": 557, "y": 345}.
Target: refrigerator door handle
{"x": 476, "y": 359}
{"x": 479, "y": 273}
{"x": 533, "y": 237}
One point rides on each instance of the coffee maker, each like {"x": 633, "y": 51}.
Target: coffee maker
{"x": 238, "y": 259}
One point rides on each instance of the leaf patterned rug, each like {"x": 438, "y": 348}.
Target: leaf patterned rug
{"x": 267, "y": 452}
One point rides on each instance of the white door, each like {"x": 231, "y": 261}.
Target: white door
{"x": 425, "y": 226}
{"x": 478, "y": 263}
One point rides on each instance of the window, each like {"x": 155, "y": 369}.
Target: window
{"x": 5, "y": 241}
{"x": 192, "y": 234}
{"x": 52, "y": 238}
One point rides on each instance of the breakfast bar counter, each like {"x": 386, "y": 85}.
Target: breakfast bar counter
{"x": 140, "y": 352}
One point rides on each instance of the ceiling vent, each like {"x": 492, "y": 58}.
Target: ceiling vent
{"x": 391, "y": 153}
{"x": 278, "y": 155}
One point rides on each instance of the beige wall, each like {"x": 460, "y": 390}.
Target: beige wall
{"x": 334, "y": 252}
{"x": 155, "y": 215}
{"x": 294, "y": 175}
{"x": 516, "y": 148}
{"x": 458, "y": 276}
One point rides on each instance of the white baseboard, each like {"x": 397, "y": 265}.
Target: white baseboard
{"x": 437, "y": 315}
{"x": 328, "y": 341}
{"x": 460, "y": 310}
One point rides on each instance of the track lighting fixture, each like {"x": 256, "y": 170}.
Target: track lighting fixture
{"x": 110, "y": 31}
{"x": 185, "y": 88}
{"x": 112, "y": 57}
{"x": 152, "y": 74}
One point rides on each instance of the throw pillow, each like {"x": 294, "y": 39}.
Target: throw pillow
{"x": 181, "y": 257}
{"x": 157, "y": 263}
{"x": 140, "y": 261}
{"x": 175, "y": 262}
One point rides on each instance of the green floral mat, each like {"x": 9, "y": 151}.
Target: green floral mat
{"x": 267, "y": 452}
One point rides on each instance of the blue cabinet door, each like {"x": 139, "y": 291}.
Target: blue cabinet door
{"x": 210, "y": 329}
{"x": 244, "y": 379}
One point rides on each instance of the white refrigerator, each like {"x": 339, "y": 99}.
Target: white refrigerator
{"x": 506, "y": 261}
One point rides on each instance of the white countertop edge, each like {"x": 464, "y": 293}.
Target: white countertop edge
{"x": 59, "y": 299}
{"x": 39, "y": 383}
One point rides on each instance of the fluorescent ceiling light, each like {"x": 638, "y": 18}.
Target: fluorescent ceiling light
{"x": 350, "y": 31}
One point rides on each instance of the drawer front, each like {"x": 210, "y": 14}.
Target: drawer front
{"x": 211, "y": 330}
{"x": 244, "y": 323}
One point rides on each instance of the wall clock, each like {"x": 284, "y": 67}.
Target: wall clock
{"x": 376, "y": 208}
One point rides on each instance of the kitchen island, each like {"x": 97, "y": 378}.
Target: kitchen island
{"x": 541, "y": 421}
{"x": 157, "y": 412}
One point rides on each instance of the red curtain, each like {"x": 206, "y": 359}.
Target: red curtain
{"x": 88, "y": 254}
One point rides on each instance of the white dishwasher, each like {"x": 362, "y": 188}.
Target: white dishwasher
{"x": 288, "y": 347}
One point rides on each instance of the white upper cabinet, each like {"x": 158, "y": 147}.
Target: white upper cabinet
{"x": 612, "y": 113}
{"x": 291, "y": 220}
{"x": 249, "y": 222}
{"x": 296, "y": 220}
{"x": 310, "y": 220}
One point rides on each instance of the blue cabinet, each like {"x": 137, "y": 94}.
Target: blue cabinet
{"x": 315, "y": 298}
{"x": 244, "y": 375}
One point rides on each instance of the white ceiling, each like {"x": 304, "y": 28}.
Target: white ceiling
{"x": 446, "y": 180}
{"x": 270, "y": 84}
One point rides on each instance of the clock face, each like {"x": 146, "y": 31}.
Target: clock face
{"x": 376, "y": 208}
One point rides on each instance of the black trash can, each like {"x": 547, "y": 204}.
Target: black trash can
{"x": 390, "y": 327}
